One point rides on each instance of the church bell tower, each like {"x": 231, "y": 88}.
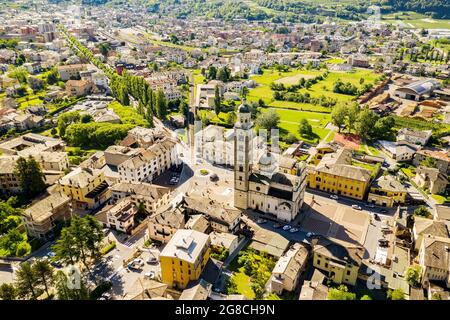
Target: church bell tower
{"x": 243, "y": 134}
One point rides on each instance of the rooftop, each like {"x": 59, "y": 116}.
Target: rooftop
{"x": 186, "y": 245}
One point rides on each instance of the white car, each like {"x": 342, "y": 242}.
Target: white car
{"x": 293, "y": 230}
{"x": 310, "y": 234}
{"x": 139, "y": 262}
{"x": 286, "y": 227}
{"x": 356, "y": 207}
{"x": 261, "y": 221}
{"x": 149, "y": 275}
{"x": 151, "y": 260}
{"x": 334, "y": 197}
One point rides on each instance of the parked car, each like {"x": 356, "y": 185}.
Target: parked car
{"x": 286, "y": 227}
{"x": 310, "y": 234}
{"x": 214, "y": 177}
{"x": 370, "y": 205}
{"x": 276, "y": 225}
{"x": 139, "y": 261}
{"x": 151, "y": 260}
{"x": 334, "y": 197}
{"x": 261, "y": 221}
{"x": 356, "y": 207}
{"x": 149, "y": 275}
{"x": 383, "y": 242}
{"x": 293, "y": 230}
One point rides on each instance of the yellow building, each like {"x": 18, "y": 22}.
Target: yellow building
{"x": 335, "y": 174}
{"x": 319, "y": 151}
{"x": 387, "y": 191}
{"x": 86, "y": 187}
{"x": 184, "y": 257}
{"x": 338, "y": 259}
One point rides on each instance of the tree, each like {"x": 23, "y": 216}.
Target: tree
{"x": 383, "y": 127}
{"x": 230, "y": 118}
{"x": 27, "y": 282}
{"x": 212, "y": 73}
{"x": 244, "y": 93}
{"x": 290, "y": 138}
{"x": 422, "y": 211}
{"x": 64, "y": 292}
{"x": 396, "y": 294}
{"x": 184, "y": 108}
{"x": 338, "y": 116}
{"x": 53, "y": 76}
{"x": 20, "y": 74}
{"x": 44, "y": 273}
{"x": 30, "y": 176}
{"x": 8, "y": 292}
{"x": 305, "y": 128}
{"x": 85, "y": 118}
{"x": 161, "y": 105}
{"x": 80, "y": 241}
{"x": 366, "y": 297}
{"x": 66, "y": 119}
{"x": 9, "y": 215}
{"x": 352, "y": 116}
{"x": 217, "y": 100}
{"x": 268, "y": 120}
{"x": 36, "y": 84}
{"x": 341, "y": 293}
{"x": 413, "y": 275}
{"x": 429, "y": 162}
{"x": 365, "y": 123}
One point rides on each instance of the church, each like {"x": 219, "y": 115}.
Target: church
{"x": 271, "y": 183}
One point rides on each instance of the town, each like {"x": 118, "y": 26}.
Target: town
{"x": 238, "y": 151}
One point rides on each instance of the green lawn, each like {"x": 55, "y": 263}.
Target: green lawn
{"x": 335, "y": 60}
{"x": 243, "y": 283}
{"x": 325, "y": 87}
{"x": 127, "y": 114}
{"x": 290, "y": 119}
{"x": 416, "y": 20}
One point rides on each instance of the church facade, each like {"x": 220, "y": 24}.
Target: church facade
{"x": 261, "y": 184}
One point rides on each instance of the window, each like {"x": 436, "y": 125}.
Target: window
{"x": 348, "y": 272}
{"x": 318, "y": 262}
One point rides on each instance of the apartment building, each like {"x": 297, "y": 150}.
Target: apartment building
{"x": 386, "y": 191}
{"x": 9, "y": 182}
{"x": 162, "y": 226}
{"x": 42, "y": 217}
{"x": 71, "y": 71}
{"x": 434, "y": 257}
{"x": 339, "y": 260}
{"x": 150, "y": 197}
{"x": 335, "y": 174}
{"x": 86, "y": 187}
{"x": 184, "y": 258}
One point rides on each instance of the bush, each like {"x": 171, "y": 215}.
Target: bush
{"x": 108, "y": 248}
{"x": 422, "y": 211}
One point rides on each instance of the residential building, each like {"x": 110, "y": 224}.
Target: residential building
{"x": 335, "y": 174}
{"x": 221, "y": 218}
{"x": 424, "y": 227}
{"x": 87, "y": 188}
{"x": 71, "y": 71}
{"x": 184, "y": 257}
{"x": 223, "y": 239}
{"x": 289, "y": 267}
{"x": 434, "y": 257}
{"x": 121, "y": 215}
{"x": 431, "y": 179}
{"x": 386, "y": 191}
{"x": 338, "y": 259}
{"x": 78, "y": 88}
{"x": 43, "y": 216}
{"x": 162, "y": 226}
{"x": 314, "y": 289}
{"x": 441, "y": 158}
{"x": 414, "y": 136}
{"x": 9, "y": 181}
{"x": 148, "y": 196}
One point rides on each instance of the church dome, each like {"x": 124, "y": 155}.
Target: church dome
{"x": 244, "y": 107}
{"x": 267, "y": 164}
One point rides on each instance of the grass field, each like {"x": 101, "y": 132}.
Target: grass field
{"x": 416, "y": 20}
{"x": 325, "y": 87}
{"x": 290, "y": 119}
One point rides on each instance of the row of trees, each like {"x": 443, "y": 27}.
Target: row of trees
{"x": 213, "y": 73}
{"x": 322, "y": 100}
{"x": 364, "y": 122}
{"x": 350, "y": 89}
{"x": 122, "y": 87}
